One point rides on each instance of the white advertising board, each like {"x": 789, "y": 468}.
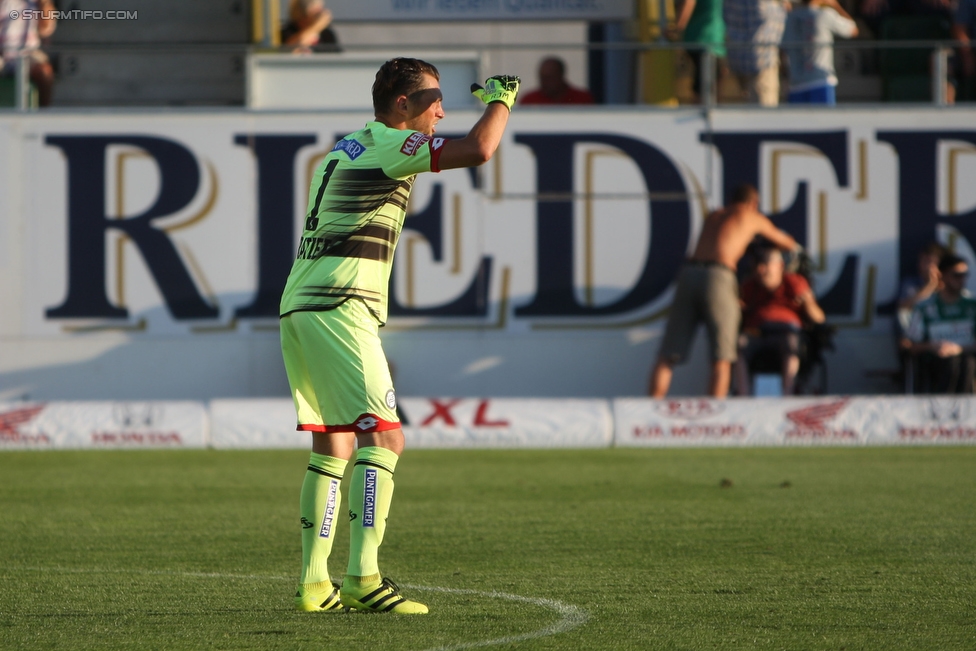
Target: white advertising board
{"x": 255, "y": 423}
{"x": 146, "y": 251}
{"x": 500, "y": 423}
{"x": 826, "y": 420}
{"x": 506, "y": 423}
{"x": 432, "y": 423}
{"x": 312, "y": 80}
{"x": 102, "y": 425}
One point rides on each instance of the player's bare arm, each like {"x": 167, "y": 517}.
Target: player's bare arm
{"x": 481, "y": 142}
{"x": 778, "y": 237}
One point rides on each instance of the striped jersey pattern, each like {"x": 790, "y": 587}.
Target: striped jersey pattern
{"x": 356, "y": 206}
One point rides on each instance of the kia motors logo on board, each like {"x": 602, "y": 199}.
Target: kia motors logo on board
{"x": 689, "y": 409}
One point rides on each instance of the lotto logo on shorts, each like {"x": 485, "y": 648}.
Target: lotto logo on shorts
{"x": 330, "y": 507}
{"x": 412, "y": 144}
{"x": 367, "y": 423}
{"x": 369, "y": 498}
{"x": 391, "y": 399}
{"x": 351, "y": 146}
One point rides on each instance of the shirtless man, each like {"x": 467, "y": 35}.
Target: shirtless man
{"x": 709, "y": 291}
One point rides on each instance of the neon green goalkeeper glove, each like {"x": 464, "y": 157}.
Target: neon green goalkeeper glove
{"x": 500, "y": 88}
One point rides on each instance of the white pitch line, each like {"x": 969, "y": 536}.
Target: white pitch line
{"x": 571, "y": 616}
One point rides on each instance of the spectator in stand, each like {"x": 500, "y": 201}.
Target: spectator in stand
{"x": 754, "y": 29}
{"x": 309, "y": 27}
{"x": 874, "y": 12}
{"x": 922, "y": 20}
{"x": 708, "y": 291}
{"x": 808, "y": 42}
{"x": 963, "y": 31}
{"x": 776, "y": 304}
{"x": 701, "y": 22}
{"x": 21, "y": 36}
{"x": 916, "y": 289}
{"x": 871, "y": 13}
{"x": 942, "y": 333}
{"x": 553, "y": 87}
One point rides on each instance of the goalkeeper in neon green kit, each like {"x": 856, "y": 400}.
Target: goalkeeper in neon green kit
{"x": 333, "y": 304}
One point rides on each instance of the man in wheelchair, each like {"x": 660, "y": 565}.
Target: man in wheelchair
{"x": 782, "y": 324}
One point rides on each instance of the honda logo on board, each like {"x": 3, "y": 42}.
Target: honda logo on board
{"x": 11, "y": 421}
{"x": 812, "y": 421}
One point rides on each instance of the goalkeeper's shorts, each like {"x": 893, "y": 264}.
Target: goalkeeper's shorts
{"x": 340, "y": 379}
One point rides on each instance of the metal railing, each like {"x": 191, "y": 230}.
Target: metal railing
{"x": 633, "y": 53}
{"x": 22, "y": 85}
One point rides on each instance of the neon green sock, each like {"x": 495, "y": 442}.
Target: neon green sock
{"x": 370, "y": 494}
{"x": 320, "y": 502}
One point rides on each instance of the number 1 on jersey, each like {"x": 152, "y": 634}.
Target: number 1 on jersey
{"x": 312, "y": 221}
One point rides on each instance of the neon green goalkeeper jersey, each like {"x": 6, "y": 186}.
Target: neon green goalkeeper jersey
{"x": 356, "y": 205}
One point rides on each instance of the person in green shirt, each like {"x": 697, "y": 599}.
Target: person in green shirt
{"x": 335, "y": 300}
{"x": 942, "y": 333}
{"x": 701, "y": 22}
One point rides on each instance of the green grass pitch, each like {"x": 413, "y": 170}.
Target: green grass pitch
{"x": 813, "y": 548}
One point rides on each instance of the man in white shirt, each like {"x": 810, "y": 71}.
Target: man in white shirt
{"x": 808, "y": 42}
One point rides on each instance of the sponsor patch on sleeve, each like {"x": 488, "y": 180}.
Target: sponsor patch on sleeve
{"x": 412, "y": 144}
{"x": 353, "y": 148}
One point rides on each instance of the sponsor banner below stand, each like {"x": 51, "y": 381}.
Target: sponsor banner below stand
{"x": 826, "y": 420}
{"x": 506, "y": 423}
{"x": 255, "y": 423}
{"x": 431, "y": 423}
{"x": 116, "y": 425}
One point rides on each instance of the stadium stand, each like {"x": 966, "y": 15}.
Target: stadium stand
{"x": 179, "y": 53}
{"x": 907, "y": 72}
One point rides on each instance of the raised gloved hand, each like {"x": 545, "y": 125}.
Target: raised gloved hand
{"x": 500, "y": 88}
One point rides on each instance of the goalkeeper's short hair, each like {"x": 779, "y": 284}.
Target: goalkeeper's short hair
{"x": 400, "y": 76}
